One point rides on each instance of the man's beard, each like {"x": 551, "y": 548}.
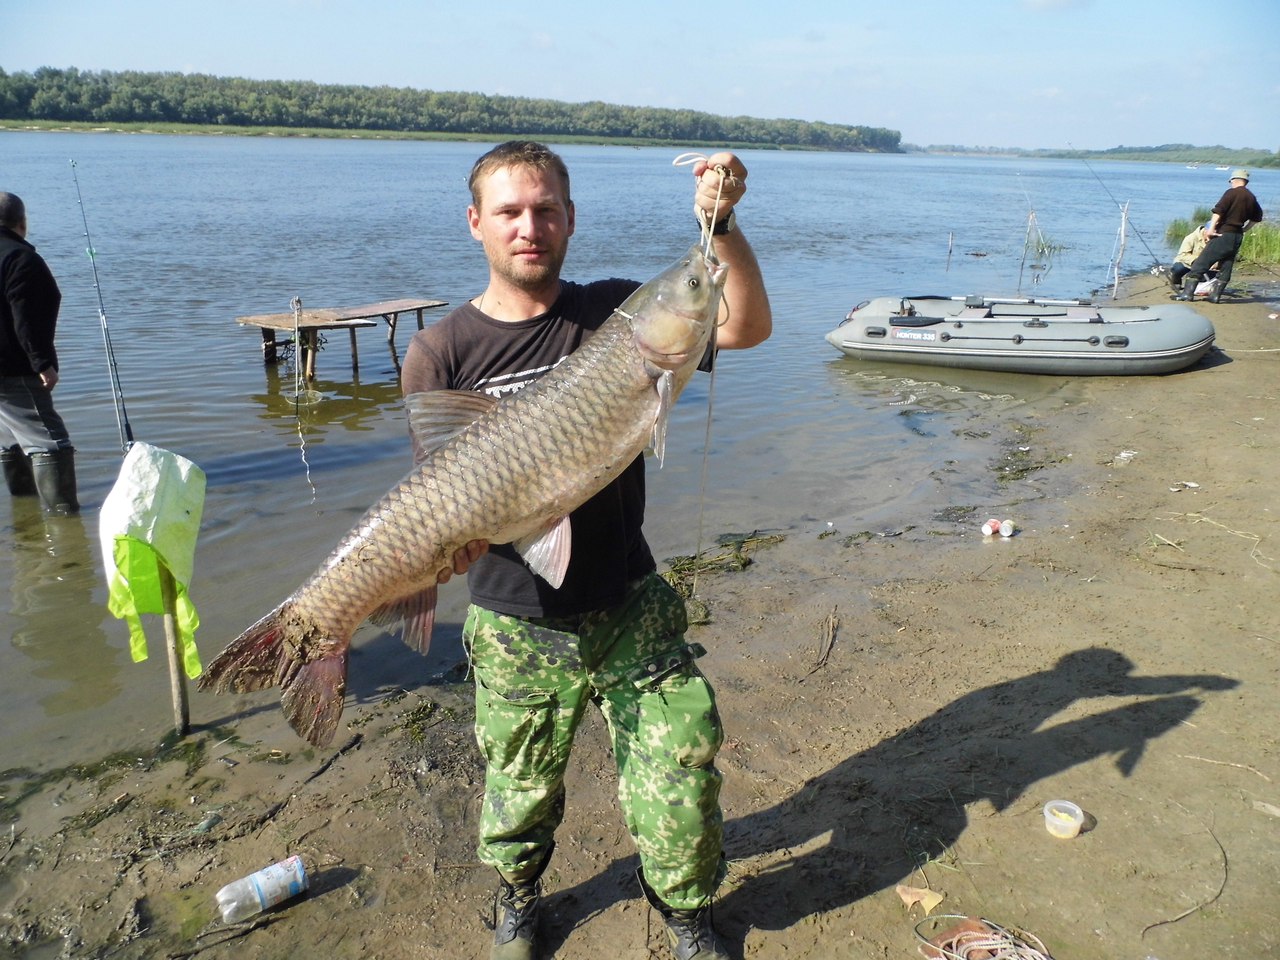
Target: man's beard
{"x": 528, "y": 276}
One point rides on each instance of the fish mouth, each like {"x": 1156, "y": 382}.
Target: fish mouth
{"x": 669, "y": 361}
{"x": 673, "y": 351}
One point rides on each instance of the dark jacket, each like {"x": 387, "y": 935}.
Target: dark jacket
{"x": 29, "y": 301}
{"x": 1237, "y": 207}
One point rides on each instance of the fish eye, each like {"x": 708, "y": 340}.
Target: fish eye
{"x": 693, "y": 282}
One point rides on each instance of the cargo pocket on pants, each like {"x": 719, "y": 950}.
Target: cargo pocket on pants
{"x": 516, "y": 731}
{"x": 677, "y": 701}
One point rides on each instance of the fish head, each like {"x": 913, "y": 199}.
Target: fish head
{"x": 673, "y": 315}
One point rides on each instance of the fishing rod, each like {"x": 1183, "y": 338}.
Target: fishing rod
{"x": 1136, "y": 233}
{"x": 122, "y": 416}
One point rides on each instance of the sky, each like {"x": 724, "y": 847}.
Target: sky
{"x": 1088, "y": 74}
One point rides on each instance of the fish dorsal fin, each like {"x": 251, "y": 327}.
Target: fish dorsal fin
{"x": 437, "y": 416}
{"x": 658, "y": 440}
{"x": 547, "y": 550}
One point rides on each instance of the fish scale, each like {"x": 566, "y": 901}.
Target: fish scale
{"x": 516, "y": 470}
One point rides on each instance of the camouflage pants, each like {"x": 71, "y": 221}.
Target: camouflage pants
{"x": 534, "y": 678}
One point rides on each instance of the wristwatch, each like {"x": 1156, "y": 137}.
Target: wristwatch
{"x": 725, "y": 224}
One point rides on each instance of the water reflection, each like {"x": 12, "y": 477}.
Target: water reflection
{"x": 949, "y": 390}
{"x": 350, "y": 404}
{"x": 339, "y": 424}
{"x": 54, "y": 573}
{"x": 297, "y": 457}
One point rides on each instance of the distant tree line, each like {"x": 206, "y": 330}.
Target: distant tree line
{"x": 128, "y": 96}
{"x": 1165, "y": 153}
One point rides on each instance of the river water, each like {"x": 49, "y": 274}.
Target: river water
{"x": 191, "y": 232}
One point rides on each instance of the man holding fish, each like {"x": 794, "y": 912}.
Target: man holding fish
{"x": 595, "y": 622}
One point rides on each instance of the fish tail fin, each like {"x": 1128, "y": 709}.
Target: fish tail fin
{"x": 251, "y": 661}
{"x": 311, "y": 692}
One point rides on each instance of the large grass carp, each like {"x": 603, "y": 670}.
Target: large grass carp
{"x": 506, "y": 471}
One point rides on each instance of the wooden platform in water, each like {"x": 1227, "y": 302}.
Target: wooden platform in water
{"x": 307, "y": 323}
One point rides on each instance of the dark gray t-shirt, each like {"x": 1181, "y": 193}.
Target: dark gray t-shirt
{"x": 467, "y": 350}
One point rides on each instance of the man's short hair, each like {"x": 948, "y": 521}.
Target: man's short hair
{"x": 517, "y": 153}
{"x": 13, "y": 212}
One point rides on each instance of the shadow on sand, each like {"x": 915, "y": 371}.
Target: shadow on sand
{"x": 868, "y": 821}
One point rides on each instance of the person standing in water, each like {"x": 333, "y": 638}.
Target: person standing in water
{"x": 35, "y": 448}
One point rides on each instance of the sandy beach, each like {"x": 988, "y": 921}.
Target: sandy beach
{"x": 900, "y": 704}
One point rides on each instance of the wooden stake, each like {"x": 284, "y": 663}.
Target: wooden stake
{"x": 177, "y": 676}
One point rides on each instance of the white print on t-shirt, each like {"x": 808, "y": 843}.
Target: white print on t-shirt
{"x": 506, "y": 383}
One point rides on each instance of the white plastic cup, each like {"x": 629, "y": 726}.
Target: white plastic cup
{"x": 1063, "y": 819}
{"x": 1006, "y": 528}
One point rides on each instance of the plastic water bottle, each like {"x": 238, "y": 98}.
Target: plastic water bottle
{"x": 258, "y": 891}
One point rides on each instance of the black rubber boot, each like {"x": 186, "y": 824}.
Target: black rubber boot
{"x": 1188, "y": 289}
{"x": 55, "y": 477}
{"x": 515, "y": 917}
{"x": 17, "y": 471}
{"x": 1215, "y": 295}
{"x": 690, "y": 934}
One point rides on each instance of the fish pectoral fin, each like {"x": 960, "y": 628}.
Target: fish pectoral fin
{"x": 437, "y": 416}
{"x": 658, "y": 439}
{"x": 418, "y": 611}
{"x": 547, "y": 551}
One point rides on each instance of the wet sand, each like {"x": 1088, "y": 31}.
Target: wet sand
{"x": 899, "y": 708}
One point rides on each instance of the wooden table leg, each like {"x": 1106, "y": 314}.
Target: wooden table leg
{"x": 392, "y": 319}
{"x": 395, "y": 357}
{"x": 312, "y": 338}
{"x": 269, "y": 345}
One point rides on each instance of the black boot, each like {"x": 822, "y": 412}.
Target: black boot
{"x": 1215, "y": 295}
{"x": 690, "y": 934}
{"x": 515, "y": 916}
{"x": 1188, "y": 289}
{"x": 55, "y": 478}
{"x": 17, "y": 471}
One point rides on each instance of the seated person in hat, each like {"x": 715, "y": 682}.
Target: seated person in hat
{"x": 1193, "y": 245}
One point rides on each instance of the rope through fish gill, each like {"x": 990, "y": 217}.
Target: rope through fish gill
{"x": 706, "y": 223}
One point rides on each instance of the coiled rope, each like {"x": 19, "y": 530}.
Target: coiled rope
{"x": 979, "y": 939}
